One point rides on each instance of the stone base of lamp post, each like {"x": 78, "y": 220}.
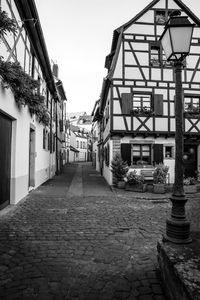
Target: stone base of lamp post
{"x": 178, "y": 227}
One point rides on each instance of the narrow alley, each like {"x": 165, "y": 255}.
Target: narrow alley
{"x": 75, "y": 238}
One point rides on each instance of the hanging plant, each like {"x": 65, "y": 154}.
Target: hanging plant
{"x": 6, "y": 24}
{"x": 24, "y": 88}
{"x": 36, "y": 106}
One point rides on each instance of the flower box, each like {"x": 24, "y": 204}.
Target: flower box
{"x": 121, "y": 184}
{"x": 159, "y": 188}
{"x": 190, "y": 189}
{"x": 140, "y": 187}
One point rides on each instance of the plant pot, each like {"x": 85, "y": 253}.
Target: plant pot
{"x": 141, "y": 187}
{"x": 121, "y": 184}
{"x": 159, "y": 188}
{"x": 190, "y": 189}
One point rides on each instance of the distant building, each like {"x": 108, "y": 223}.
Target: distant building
{"x": 81, "y": 142}
{"x": 85, "y": 121}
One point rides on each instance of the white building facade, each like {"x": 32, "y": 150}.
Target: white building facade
{"x": 27, "y": 128}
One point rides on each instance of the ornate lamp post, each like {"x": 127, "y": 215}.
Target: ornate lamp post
{"x": 176, "y": 41}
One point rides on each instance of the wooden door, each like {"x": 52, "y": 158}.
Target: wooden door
{"x": 32, "y": 158}
{"x": 190, "y": 160}
{"x": 5, "y": 159}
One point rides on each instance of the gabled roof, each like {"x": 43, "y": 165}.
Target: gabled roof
{"x": 117, "y": 32}
{"x": 111, "y": 59}
{"x": 61, "y": 91}
{"x": 74, "y": 149}
{"x": 28, "y": 13}
{"x": 85, "y": 119}
{"x": 95, "y": 113}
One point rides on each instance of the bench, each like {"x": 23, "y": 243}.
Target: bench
{"x": 148, "y": 175}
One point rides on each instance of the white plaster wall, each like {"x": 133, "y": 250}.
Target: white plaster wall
{"x": 44, "y": 164}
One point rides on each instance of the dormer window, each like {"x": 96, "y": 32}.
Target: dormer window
{"x": 160, "y": 16}
{"x": 155, "y": 54}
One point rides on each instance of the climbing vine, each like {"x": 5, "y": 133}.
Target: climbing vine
{"x": 24, "y": 88}
{"x": 6, "y": 24}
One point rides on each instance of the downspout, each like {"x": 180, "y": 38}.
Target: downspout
{"x": 57, "y": 162}
{"x": 50, "y": 158}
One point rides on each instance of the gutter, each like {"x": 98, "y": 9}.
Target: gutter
{"x": 29, "y": 16}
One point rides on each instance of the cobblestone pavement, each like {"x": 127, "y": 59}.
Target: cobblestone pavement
{"x": 74, "y": 238}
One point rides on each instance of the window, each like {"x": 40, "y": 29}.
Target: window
{"x": 142, "y": 102}
{"x": 160, "y": 17}
{"x": 168, "y": 152}
{"x": 107, "y": 154}
{"x": 155, "y": 54}
{"x": 192, "y": 104}
{"x": 46, "y": 140}
{"x": 141, "y": 154}
{"x": 54, "y": 142}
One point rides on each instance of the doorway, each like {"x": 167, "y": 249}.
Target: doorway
{"x": 5, "y": 159}
{"x": 190, "y": 160}
{"x": 32, "y": 158}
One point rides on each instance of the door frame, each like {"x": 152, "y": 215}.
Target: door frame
{"x": 31, "y": 166}
{"x": 8, "y": 160}
{"x": 193, "y": 144}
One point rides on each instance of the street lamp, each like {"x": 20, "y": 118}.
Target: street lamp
{"x": 176, "y": 41}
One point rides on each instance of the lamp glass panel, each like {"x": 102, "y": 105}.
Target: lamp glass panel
{"x": 166, "y": 44}
{"x": 181, "y": 38}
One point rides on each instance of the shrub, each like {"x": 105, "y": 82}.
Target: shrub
{"x": 119, "y": 167}
{"x": 160, "y": 173}
{"x": 189, "y": 181}
{"x": 133, "y": 178}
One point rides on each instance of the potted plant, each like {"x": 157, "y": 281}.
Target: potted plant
{"x": 190, "y": 185}
{"x": 135, "y": 182}
{"x": 159, "y": 178}
{"x": 119, "y": 169}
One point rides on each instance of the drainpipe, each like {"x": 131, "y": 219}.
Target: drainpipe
{"x": 50, "y": 163}
{"x": 57, "y": 154}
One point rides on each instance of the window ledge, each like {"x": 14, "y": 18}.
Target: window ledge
{"x": 141, "y": 166}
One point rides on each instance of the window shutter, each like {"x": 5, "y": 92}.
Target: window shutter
{"x": 158, "y": 153}
{"x": 44, "y": 138}
{"x": 126, "y": 153}
{"x": 158, "y": 104}
{"x": 126, "y": 103}
{"x": 108, "y": 154}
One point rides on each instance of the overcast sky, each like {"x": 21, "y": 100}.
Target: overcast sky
{"x": 78, "y": 35}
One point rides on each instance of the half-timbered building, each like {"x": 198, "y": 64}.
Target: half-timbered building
{"x": 27, "y": 125}
{"x": 136, "y": 109}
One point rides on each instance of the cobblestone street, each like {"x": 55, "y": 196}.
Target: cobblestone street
{"x": 75, "y": 238}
